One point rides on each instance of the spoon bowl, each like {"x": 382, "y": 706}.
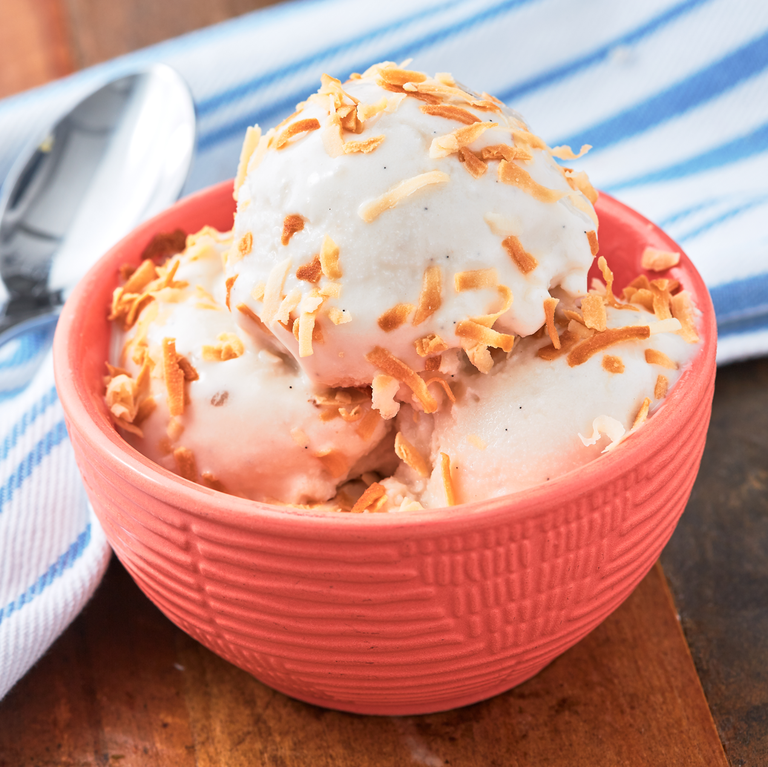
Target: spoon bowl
{"x": 118, "y": 157}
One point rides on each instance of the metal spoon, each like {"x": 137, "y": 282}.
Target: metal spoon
{"x": 118, "y": 157}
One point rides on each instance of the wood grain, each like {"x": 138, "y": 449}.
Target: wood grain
{"x": 103, "y": 30}
{"x": 717, "y": 563}
{"x": 34, "y": 44}
{"x": 124, "y": 686}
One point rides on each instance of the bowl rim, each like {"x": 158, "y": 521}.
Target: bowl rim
{"x": 77, "y": 402}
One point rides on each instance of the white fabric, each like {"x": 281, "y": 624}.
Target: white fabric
{"x": 673, "y": 95}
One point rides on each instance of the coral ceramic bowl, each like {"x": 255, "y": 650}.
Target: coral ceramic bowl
{"x": 386, "y": 614}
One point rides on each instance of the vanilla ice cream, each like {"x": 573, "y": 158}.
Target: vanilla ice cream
{"x": 436, "y": 216}
{"x": 400, "y": 317}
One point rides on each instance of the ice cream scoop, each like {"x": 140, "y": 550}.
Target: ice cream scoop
{"x": 404, "y": 216}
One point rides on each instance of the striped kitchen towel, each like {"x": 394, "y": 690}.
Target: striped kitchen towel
{"x": 672, "y": 94}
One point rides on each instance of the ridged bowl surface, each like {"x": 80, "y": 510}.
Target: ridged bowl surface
{"x": 386, "y": 614}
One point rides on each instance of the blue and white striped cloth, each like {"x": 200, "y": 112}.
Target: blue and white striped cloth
{"x": 673, "y": 95}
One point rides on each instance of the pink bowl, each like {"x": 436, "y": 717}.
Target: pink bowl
{"x": 386, "y": 614}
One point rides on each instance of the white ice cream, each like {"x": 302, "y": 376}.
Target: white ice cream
{"x": 457, "y": 224}
{"x": 399, "y": 318}
{"x": 253, "y": 423}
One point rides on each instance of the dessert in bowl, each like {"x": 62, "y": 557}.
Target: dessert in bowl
{"x": 407, "y": 612}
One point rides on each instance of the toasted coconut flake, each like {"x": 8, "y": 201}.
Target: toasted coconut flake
{"x": 190, "y": 374}
{"x": 594, "y": 247}
{"x": 363, "y": 147}
{"x": 474, "y": 165}
{"x": 659, "y": 260}
{"x": 127, "y": 425}
{"x": 258, "y": 290}
{"x": 430, "y": 344}
{"x": 367, "y": 111}
{"x": 384, "y": 389}
{"x": 229, "y": 284}
{"x": 526, "y": 138}
{"x": 370, "y": 211}
{"x": 475, "y": 279}
{"x": 549, "y": 313}
{"x": 608, "y": 277}
{"x": 446, "y": 387}
{"x": 433, "y": 363}
{"x": 642, "y": 414}
{"x": 502, "y": 226}
{"x": 476, "y": 442}
{"x": 125, "y": 271}
{"x": 505, "y": 152}
{"x": 374, "y": 497}
{"x": 248, "y": 312}
{"x": 593, "y": 309}
{"x": 288, "y": 304}
{"x": 445, "y": 470}
{"x": 446, "y": 78}
{"x": 228, "y": 347}
{"x": 291, "y": 224}
{"x": 306, "y": 334}
{"x": 165, "y": 244}
{"x": 430, "y": 297}
{"x": 174, "y": 377}
{"x": 450, "y": 143}
{"x": 392, "y": 366}
{"x": 610, "y": 337}
{"x": 575, "y": 316}
{"x": 296, "y": 129}
{"x": 330, "y": 290}
{"x": 121, "y": 397}
{"x": 604, "y": 424}
{"x": 613, "y": 364}
{"x": 451, "y": 113}
{"x": 209, "y": 480}
{"x": 273, "y": 292}
{"x": 567, "y": 341}
{"x": 480, "y": 334}
{"x": 334, "y": 462}
{"x": 655, "y": 357}
{"x": 643, "y": 297}
{"x": 329, "y": 259}
{"x": 142, "y": 277}
{"x": 311, "y": 272}
{"x": 333, "y": 139}
{"x": 339, "y": 316}
{"x": 661, "y": 387}
{"x": 252, "y": 136}
{"x": 368, "y": 424}
{"x": 480, "y": 357}
{"x": 566, "y": 153}
{"x": 395, "y": 317}
{"x": 351, "y": 415}
{"x": 514, "y": 175}
{"x": 580, "y": 182}
{"x": 186, "y": 466}
{"x": 407, "y": 453}
{"x": 682, "y": 310}
{"x": 397, "y": 76}
{"x": 526, "y": 263}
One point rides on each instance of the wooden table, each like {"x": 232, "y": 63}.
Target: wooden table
{"x": 124, "y": 686}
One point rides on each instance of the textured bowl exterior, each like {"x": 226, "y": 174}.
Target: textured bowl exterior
{"x": 387, "y": 614}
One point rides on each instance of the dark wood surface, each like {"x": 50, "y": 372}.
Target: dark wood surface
{"x": 717, "y": 563}
{"x": 124, "y": 686}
